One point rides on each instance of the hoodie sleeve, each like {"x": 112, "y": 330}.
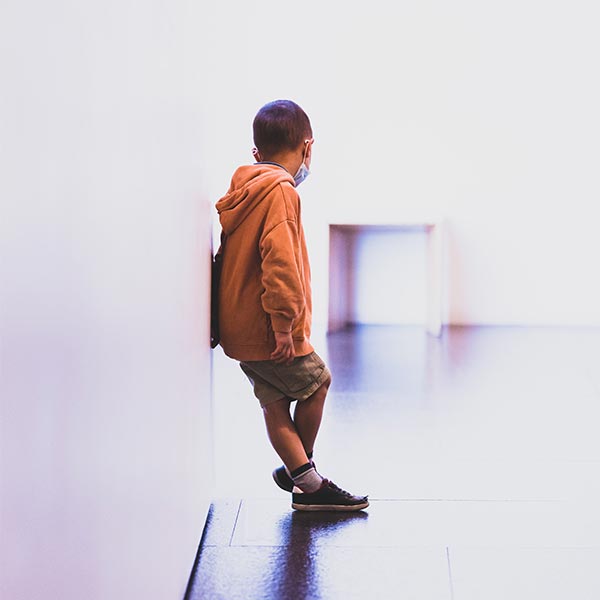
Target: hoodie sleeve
{"x": 282, "y": 275}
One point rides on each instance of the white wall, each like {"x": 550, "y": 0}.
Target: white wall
{"x": 105, "y": 449}
{"x": 483, "y": 112}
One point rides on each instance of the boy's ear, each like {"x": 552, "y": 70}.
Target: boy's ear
{"x": 308, "y": 154}
{"x": 256, "y": 154}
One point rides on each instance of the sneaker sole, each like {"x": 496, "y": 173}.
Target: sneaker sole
{"x": 330, "y": 507}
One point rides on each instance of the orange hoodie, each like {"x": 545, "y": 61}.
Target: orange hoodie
{"x": 265, "y": 281}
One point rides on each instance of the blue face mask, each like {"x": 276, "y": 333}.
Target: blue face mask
{"x": 302, "y": 173}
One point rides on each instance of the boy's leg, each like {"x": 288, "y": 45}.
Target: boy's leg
{"x": 308, "y": 415}
{"x": 283, "y": 434}
{"x": 307, "y": 419}
{"x": 315, "y": 492}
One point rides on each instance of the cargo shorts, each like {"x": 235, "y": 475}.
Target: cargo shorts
{"x": 297, "y": 381}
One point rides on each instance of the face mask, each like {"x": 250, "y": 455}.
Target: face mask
{"x": 302, "y": 173}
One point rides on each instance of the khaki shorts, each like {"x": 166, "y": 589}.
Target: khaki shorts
{"x": 297, "y": 381}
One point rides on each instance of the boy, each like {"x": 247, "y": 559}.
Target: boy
{"x": 265, "y": 301}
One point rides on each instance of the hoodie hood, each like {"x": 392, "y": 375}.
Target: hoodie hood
{"x": 249, "y": 185}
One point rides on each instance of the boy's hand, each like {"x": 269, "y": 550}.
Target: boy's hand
{"x": 284, "y": 348}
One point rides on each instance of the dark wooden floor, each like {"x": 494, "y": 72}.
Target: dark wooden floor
{"x": 480, "y": 452}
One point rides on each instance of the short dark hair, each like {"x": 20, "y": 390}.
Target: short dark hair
{"x": 280, "y": 125}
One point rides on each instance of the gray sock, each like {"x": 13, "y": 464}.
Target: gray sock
{"x": 306, "y": 478}
{"x": 309, "y": 460}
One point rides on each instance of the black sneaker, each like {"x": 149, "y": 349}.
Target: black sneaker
{"x": 329, "y": 497}
{"x": 282, "y": 479}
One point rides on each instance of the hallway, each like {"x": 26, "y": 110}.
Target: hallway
{"x": 480, "y": 454}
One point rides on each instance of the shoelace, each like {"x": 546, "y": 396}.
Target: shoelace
{"x": 338, "y": 489}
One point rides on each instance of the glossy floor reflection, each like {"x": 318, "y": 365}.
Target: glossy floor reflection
{"x": 479, "y": 451}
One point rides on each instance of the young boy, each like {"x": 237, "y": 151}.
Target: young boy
{"x": 265, "y": 301}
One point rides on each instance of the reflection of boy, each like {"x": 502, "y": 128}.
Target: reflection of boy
{"x": 265, "y": 301}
